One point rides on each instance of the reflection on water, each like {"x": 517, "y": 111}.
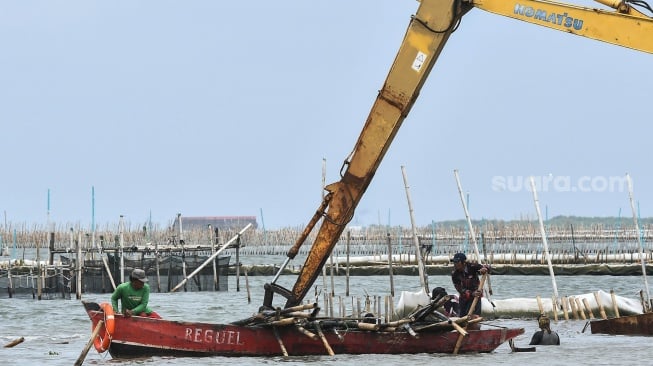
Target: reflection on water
{"x": 56, "y": 331}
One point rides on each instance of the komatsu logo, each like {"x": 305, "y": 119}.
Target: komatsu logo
{"x": 563, "y": 19}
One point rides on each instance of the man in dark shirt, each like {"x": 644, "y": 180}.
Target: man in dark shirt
{"x": 466, "y": 281}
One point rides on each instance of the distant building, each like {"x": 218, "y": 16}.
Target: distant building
{"x": 216, "y": 222}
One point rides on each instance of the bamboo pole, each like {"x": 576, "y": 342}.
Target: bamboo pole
{"x": 157, "y": 259}
{"x": 14, "y": 342}
{"x": 283, "y": 348}
{"x": 347, "y": 267}
{"x": 639, "y": 240}
{"x": 330, "y": 296}
{"x": 323, "y": 338}
{"x": 104, "y": 262}
{"x": 418, "y": 253}
{"x": 121, "y": 226}
{"x": 459, "y": 329}
{"x": 572, "y": 306}
{"x": 544, "y": 242}
{"x": 615, "y": 306}
{"x": 79, "y": 264}
{"x": 469, "y": 315}
{"x": 82, "y": 356}
{"x": 208, "y": 260}
{"x": 539, "y": 304}
{"x": 215, "y": 270}
{"x": 331, "y": 275}
{"x": 579, "y": 306}
{"x": 472, "y": 234}
{"x": 600, "y": 305}
{"x": 284, "y": 322}
{"x": 307, "y": 333}
{"x": 182, "y": 242}
{"x": 10, "y": 287}
{"x": 390, "y": 271}
{"x": 238, "y": 263}
{"x": 249, "y": 295}
{"x": 565, "y": 307}
{"x": 588, "y": 308}
{"x": 38, "y": 271}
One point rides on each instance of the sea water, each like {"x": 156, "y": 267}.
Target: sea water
{"x": 56, "y": 331}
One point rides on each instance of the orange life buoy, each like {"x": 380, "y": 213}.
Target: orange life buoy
{"x": 103, "y": 339}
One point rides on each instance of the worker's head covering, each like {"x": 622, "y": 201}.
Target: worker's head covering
{"x": 139, "y": 274}
{"x": 438, "y": 293}
{"x": 459, "y": 257}
{"x": 543, "y": 322}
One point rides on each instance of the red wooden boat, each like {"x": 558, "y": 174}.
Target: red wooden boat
{"x": 141, "y": 337}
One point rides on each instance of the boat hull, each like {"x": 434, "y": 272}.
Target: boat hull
{"x": 141, "y": 336}
{"x": 639, "y": 325}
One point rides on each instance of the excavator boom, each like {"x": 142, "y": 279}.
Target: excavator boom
{"x": 427, "y": 33}
{"x": 630, "y": 29}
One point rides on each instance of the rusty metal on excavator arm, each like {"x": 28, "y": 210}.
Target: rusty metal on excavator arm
{"x": 425, "y": 37}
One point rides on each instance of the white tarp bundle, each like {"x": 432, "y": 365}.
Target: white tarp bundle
{"x": 528, "y": 307}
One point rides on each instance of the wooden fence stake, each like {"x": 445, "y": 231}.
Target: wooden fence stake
{"x": 15, "y": 342}
{"x": 614, "y": 304}
{"x": 82, "y": 356}
{"x": 600, "y": 304}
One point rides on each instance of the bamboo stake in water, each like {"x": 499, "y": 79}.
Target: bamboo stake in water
{"x": 347, "y": 267}
{"x": 545, "y": 243}
{"x": 572, "y": 308}
{"x": 276, "y": 335}
{"x": 14, "y": 342}
{"x": 472, "y": 234}
{"x": 565, "y": 308}
{"x": 539, "y": 304}
{"x": 390, "y": 271}
{"x": 469, "y": 315}
{"x": 639, "y": 239}
{"x": 96, "y": 331}
{"x": 215, "y": 270}
{"x": 208, "y": 260}
{"x": 579, "y": 306}
{"x": 158, "y": 269}
{"x": 588, "y": 308}
{"x": 38, "y": 271}
{"x": 418, "y": 253}
{"x": 80, "y": 263}
{"x": 249, "y": 295}
{"x": 600, "y": 305}
{"x": 615, "y": 306}
{"x": 122, "y": 246}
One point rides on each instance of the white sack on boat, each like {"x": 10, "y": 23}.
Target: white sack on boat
{"x": 521, "y": 307}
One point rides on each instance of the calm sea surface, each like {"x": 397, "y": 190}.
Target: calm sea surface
{"x": 56, "y": 331}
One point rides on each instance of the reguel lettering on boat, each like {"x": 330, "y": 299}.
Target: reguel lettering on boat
{"x": 199, "y": 335}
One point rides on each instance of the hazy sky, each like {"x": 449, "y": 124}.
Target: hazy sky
{"x": 216, "y": 108}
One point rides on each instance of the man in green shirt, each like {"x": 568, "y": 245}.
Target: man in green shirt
{"x": 134, "y": 296}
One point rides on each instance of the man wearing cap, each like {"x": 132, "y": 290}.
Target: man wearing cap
{"x": 465, "y": 280}
{"x": 134, "y": 296}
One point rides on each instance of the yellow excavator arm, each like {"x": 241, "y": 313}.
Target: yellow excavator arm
{"x": 625, "y": 26}
{"x": 427, "y": 33}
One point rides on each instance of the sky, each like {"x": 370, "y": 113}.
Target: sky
{"x": 147, "y": 109}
